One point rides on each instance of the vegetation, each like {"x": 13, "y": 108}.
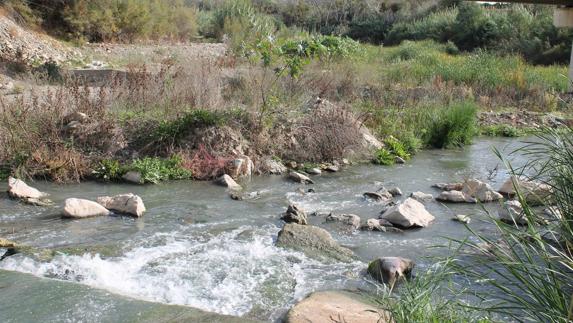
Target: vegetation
{"x": 501, "y": 131}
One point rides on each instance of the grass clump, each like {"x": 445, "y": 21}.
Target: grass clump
{"x": 454, "y": 126}
{"x": 384, "y": 157}
{"x": 500, "y": 130}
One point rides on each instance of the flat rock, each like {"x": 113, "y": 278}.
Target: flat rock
{"x": 19, "y": 190}
{"x": 449, "y": 186}
{"x": 313, "y": 241}
{"x": 314, "y": 171}
{"x": 123, "y": 203}
{"x": 421, "y": 196}
{"x": 455, "y": 197}
{"x": 299, "y": 178}
{"x": 335, "y": 306}
{"x": 331, "y": 168}
{"x": 380, "y": 225}
{"x": 80, "y": 208}
{"x": 409, "y": 213}
{"x": 229, "y": 182}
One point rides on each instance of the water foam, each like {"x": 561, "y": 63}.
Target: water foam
{"x": 233, "y": 273}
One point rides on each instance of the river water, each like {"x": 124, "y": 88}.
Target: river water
{"x": 198, "y": 248}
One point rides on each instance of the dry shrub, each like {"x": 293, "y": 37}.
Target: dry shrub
{"x": 206, "y": 165}
{"x": 327, "y": 134}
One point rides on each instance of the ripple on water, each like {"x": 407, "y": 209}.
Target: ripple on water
{"x": 236, "y": 273}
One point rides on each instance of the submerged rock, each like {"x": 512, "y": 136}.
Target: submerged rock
{"x": 395, "y": 191}
{"x": 462, "y": 218}
{"x": 409, "y": 213}
{"x": 390, "y": 270}
{"x": 351, "y": 220}
{"x": 123, "y": 203}
{"x": 534, "y": 192}
{"x": 299, "y": 178}
{"x": 19, "y": 190}
{"x": 295, "y": 215}
{"x": 421, "y": 196}
{"x": 79, "y": 209}
{"x": 481, "y": 191}
{"x": 335, "y": 306}
{"x": 228, "y": 181}
{"x": 455, "y": 197}
{"x": 313, "y": 241}
{"x": 512, "y": 213}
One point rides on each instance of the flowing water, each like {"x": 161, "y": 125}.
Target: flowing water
{"x": 197, "y": 247}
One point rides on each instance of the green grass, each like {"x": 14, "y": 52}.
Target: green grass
{"x": 453, "y": 126}
{"x": 384, "y": 157}
{"x": 500, "y": 130}
{"x": 153, "y": 170}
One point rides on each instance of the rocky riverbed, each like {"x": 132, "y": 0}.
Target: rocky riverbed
{"x": 195, "y": 246}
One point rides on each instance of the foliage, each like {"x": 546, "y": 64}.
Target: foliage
{"x": 154, "y": 170}
{"x": 501, "y": 130}
{"x": 396, "y": 147}
{"x": 174, "y": 130}
{"x": 108, "y": 170}
{"x": 384, "y": 157}
{"x": 452, "y": 126}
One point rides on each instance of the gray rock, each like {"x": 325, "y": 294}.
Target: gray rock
{"x": 378, "y": 196}
{"x": 299, "y": 178}
{"x": 481, "y": 191}
{"x": 462, "y": 218}
{"x": 421, "y": 197}
{"x": 331, "y": 168}
{"x": 351, "y": 220}
{"x": 390, "y": 270}
{"x": 534, "y": 192}
{"x": 79, "y": 209}
{"x": 313, "y": 241}
{"x": 409, "y": 213}
{"x": 295, "y": 215}
{"x": 379, "y": 225}
{"x": 274, "y": 167}
{"x": 449, "y": 186}
{"x": 395, "y": 191}
{"x": 512, "y": 212}
{"x": 228, "y": 181}
{"x": 455, "y": 197}
{"x": 399, "y": 160}
{"x": 123, "y": 203}
{"x": 133, "y": 177}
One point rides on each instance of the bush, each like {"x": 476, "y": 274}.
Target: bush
{"x": 396, "y": 148}
{"x": 452, "y": 126}
{"x": 154, "y": 170}
{"x": 500, "y": 131}
{"x": 384, "y": 157}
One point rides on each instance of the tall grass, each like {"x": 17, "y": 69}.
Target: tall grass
{"x": 528, "y": 271}
{"x": 453, "y": 126}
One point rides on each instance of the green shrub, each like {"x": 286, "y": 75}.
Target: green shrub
{"x": 154, "y": 170}
{"x": 174, "y": 130}
{"x": 451, "y": 126}
{"x": 108, "y": 170}
{"x": 384, "y": 157}
{"x": 396, "y": 148}
{"x": 500, "y": 131}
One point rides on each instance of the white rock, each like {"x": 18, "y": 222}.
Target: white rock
{"x": 409, "y": 213}
{"x": 274, "y": 167}
{"x": 229, "y": 182}
{"x": 481, "y": 191}
{"x": 300, "y": 178}
{"x": 314, "y": 171}
{"x": 535, "y": 193}
{"x": 18, "y": 189}
{"x": 123, "y": 203}
{"x": 79, "y": 208}
{"x": 462, "y": 218}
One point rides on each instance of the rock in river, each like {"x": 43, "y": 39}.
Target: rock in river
{"x": 389, "y": 270}
{"x": 313, "y": 241}
{"x": 455, "y": 197}
{"x": 79, "y": 209}
{"x": 512, "y": 213}
{"x": 421, "y": 197}
{"x": 351, "y": 220}
{"x": 335, "y": 306}
{"x": 19, "y": 190}
{"x": 409, "y": 213}
{"x": 123, "y": 203}
{"x": 379, "y": 225}
{"x": 481, "y": 191}
{"x": 300, "y": 178}
{"x": 378, "y": 196}
{"x": 229, "y": 182}
{"x": 294, "y": 214}
{"x": 534, "y": 192}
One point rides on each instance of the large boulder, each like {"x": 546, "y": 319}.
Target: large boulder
{"x": 351, "y": 220}
{"x": 389, "y": 270}
{"x": 241, "y": 166}
{"x": 313, "y": 241}
{"x": 123, "y": 203}
{"x": 299, "y": 178}
{"x": 19, "y": 190}
{"x": 481, "y": 191}
{"x": 409, "y": 213}
{"x": 512, "y": 213}
{"x": 335, "y": 306}
{"x": 294, "y": 214}
{"x": 79, "y": 209}
{"x": 228, "y": 181}
{"x": 534, "y": 192}
{"x": 455, "y": 197}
